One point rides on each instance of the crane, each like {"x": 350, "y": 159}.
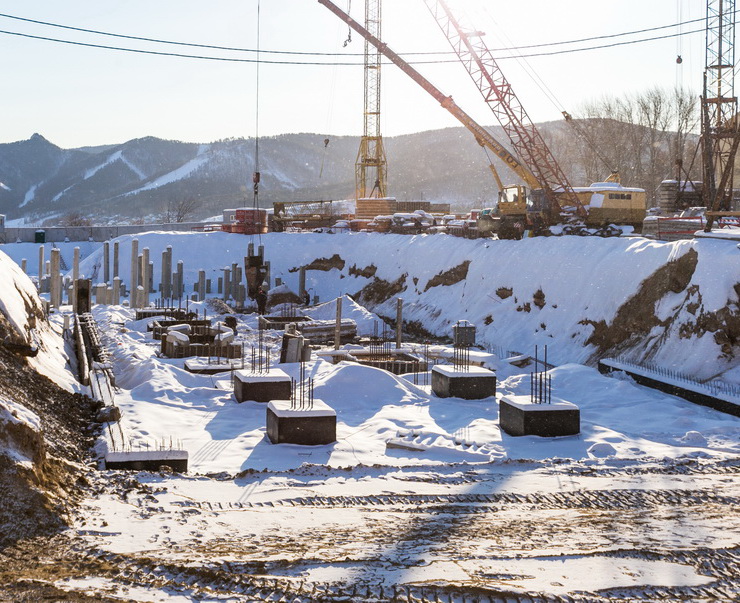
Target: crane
{"x": 524, "y": 136}
{"x": 371, "y": 163}
{"x": 720, "y": 128}
{"x": 533, "y": 203}
{"x": 482, "y": 136}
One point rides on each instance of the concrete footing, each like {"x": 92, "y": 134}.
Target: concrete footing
{"x": 471, "y": 383}
{"x": 273, "y": 384}
{"x": 519, "y": 417}
{"x": 148, "y": 460}
{"x": 312, "y": 426}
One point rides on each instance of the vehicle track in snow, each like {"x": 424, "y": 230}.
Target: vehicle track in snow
{"x": 247, "y": 582}
{"x": 580, "y": 499}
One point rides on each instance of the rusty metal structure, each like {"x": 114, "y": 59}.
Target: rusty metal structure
{"x": 496, "y": 90}
{"x": 720, "y": 131}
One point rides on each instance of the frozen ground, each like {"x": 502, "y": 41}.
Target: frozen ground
{"x": 420, "y": 496}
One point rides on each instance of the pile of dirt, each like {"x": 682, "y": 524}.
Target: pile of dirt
{"x": 37, "y": 497}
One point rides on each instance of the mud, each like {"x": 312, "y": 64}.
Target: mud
{"x": 37, "y": 500}
{"x": 380, "y": 291}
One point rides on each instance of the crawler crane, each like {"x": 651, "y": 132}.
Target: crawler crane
{"x": 546, "y": 198}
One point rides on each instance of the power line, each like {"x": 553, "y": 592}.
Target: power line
{"x": 328, "y": 63}
{"x": 300, "y": 53}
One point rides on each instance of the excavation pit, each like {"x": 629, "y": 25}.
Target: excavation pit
{"x": 520, "y": 417}
{"x": 273, "y": 384}
{"x": 312, "y": 425}
{"x": 468, "y": 383}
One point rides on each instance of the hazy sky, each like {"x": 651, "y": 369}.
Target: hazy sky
{"x": 75, "y": 95}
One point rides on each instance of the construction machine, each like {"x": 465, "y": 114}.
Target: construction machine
{"x": 596, "y": 206}
{"x": 545, "y": 198}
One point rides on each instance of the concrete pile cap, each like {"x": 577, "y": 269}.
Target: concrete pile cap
{"x": 523, "y": 403}
{"x": 450, "y": 371}
{"x": 274, "y": 374}
{"x": 288, "y": 409}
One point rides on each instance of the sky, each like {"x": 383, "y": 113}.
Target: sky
{"x": 77, "y": 96}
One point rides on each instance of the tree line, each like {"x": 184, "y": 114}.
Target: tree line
{"x": 643, "y": 135}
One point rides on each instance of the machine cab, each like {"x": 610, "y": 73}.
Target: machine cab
{"x": 513, "y": 200}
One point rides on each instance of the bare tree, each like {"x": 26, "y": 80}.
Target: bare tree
{"x": 179, "y": 210}
{"x": 641, "y": 135}
{"x": 74, "y": 219}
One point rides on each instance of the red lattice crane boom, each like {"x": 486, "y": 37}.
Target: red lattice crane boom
{"x": 525, "y": 138}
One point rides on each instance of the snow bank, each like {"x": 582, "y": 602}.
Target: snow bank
{"x": 556, "y": 291}
{"x": 21, "y": 307}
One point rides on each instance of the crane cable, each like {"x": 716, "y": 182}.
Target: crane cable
{"x": 330, "y": 104}
{"x": 545, "y": 89}
{"x": 256, "y": 174}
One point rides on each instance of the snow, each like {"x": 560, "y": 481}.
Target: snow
{"x": 182, "y": 172}
{"x": 30, "y": 194}
{"x": 286, "y": 409}
{"x": 18, "y": 299}
{"x": 394, "y": 437}
{"x": 522, "y": 403}
{"x": 270, "y": 376}
{"x": 366, "y": 321}
{"x": 12, "y": 412}
{"x": 474, "y": 371}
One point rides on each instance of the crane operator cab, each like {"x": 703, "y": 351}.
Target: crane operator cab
{"x": 518, "y": 200}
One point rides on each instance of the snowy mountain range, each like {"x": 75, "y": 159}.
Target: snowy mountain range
{"x": 140, "y": 177}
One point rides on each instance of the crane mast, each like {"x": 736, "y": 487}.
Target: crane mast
{"x": 371, "y": 164}
{"x": 482, "y": 136}
{"x": 720, "y": 132}
{"x": 497, "y": 91}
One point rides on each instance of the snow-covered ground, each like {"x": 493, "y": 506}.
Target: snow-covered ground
{"x": 420, "y": 491}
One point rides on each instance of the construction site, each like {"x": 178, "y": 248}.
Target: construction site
{"x": 373, "y": 399}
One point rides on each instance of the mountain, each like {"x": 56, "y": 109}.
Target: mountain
{"x": 138, "y": 178}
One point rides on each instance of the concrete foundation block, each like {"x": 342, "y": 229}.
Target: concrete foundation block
{"x": 148, "y": 460}
{"x": 519, "y": 417}
{"x": 313, "y": 426}
{"x": 262, "y": 387}
{"x": 473, "y": 383}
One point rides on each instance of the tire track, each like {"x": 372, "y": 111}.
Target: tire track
{"x": 577, "y": 499}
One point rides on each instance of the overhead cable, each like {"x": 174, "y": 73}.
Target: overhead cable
{"x": 329, "y": 63}
{"x": 300, "y": 53}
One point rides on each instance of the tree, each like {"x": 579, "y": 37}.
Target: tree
{"x": 642, "y": 135}
{"x": 74, "y": 219}
{"x": 179, "y": 210}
